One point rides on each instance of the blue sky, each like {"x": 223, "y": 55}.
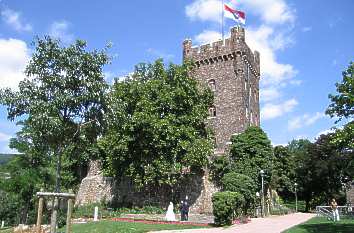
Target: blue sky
{"x": 304, "y": 46}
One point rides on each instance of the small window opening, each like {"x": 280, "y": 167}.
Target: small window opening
{"x": 211, "y": 84}
{"x": 212, "y": 111}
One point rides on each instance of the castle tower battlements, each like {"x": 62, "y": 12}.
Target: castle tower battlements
{"x": 232, "y": 71}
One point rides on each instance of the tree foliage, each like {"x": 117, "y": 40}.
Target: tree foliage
{"x": 284, "y": 176}
{"x": 342, "y": 106}
{"x": 243, "y": 185}
{"x": 227, "y": 206}
{"x": 156, "y": 125}
{"x": 18, "y": 189}
{"x": 251, "y": 152}
{"x": 319, "y": 170}
{"x": 61, "y": 103}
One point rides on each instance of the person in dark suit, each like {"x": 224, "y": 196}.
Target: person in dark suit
{"x": 185, "y": 209}
{"x": 181, "y": 210}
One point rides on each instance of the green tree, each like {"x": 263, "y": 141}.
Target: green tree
{"x": 283, "y": 177}
{"x": 218, "y": 167}
{"x": 251, "y": 152}
{"x": 157, "y": 131}
{"x": 60, "y": 104}
{"x": 319, "y": 170}
{"x": 243, "y": 185}
{"x": 18, "y": 190}
{"x": 342, "y": 106}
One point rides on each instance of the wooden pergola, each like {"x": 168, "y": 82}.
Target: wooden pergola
{"x": 67, "y": 196}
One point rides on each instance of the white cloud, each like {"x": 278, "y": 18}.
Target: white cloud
{"x": 60, "y": 30}
{"x": 270, "y": 11}
{"x": 14, "y": 55}
{"x": 13, "y": 19}
{"x": 271, "y": 111}
{"x": 207, "y": 36}
{"x": 269, "y": 94}
{"x": 262, "y": 40}
{"x": 204, "y": 10}
{"x": 274, "y": 34}
{"x": 304, "y": 120}
{"x": 7, "y": 150}
{"x": 324, "y": 132}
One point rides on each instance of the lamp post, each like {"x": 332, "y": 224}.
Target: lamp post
{"x": 257, "y": 208}
{"x": 295, "y": 196}
{"x": 262, "y": 200}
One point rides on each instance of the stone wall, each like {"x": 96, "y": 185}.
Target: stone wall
{"x": 95, "y": 187}
{"x": 232, "y": 71}
{"x": 350, "y": 194}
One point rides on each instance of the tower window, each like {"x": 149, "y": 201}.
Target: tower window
{"x": 212, "y": 111}
{"x": 211, "y": 84}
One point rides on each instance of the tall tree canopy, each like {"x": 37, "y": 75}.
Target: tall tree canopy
{"x": 156, "y": 130}
{"x": 319, "y": 169}
{"x": 342, "y": 106}
{"x": 61, "y": 102}
{"x": 283, "y": 177}
{"x": 251, "y": 152}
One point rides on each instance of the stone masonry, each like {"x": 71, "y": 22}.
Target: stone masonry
{"x": 95, "y": 187}
{"x": 232, "y": 71}
{"x": 350, "y": 193}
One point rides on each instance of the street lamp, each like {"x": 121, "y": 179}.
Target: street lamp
{"x": 262, "y": 200}
{"x": 295, "y": 196}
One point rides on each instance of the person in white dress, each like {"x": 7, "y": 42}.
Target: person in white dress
{"x": 170, "y": 215}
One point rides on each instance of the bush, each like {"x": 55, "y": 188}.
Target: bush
{"x": 227, "y": 206}
{"x": 235, "y": 182}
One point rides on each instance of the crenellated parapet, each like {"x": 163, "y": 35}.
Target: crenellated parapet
{"x": 223, "y": 50}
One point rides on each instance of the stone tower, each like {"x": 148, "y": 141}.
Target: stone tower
{"x": 232, "y": 71}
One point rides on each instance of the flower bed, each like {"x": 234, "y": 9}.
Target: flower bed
{"x": 158, "y": 222}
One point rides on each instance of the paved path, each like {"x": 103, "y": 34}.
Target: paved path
{"x": 274, "y": 224}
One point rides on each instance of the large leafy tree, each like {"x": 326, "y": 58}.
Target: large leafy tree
{"x": 283, "y": 177}
{"x": 60, "y": 104}
{"x": 17, "y": 189}
{"x": 251, "y": 152}
{"x": 319, "y": 169}
{"x": 156, "y": 126}
{"x": 342, "y": 107}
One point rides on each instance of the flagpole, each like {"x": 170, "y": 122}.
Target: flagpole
{"x": 222, "y": 19}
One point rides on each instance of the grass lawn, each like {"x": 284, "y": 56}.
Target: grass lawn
{"x": 124, "y": 227}
{"x": 300, "y": 205}
{"x": 8, "y": 230}
{"x": 322, "y": 225}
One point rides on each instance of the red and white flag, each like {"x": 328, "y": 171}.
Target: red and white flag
{"x": 238, "y": 16}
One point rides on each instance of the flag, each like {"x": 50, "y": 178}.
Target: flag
{"x": 238, "y": 16}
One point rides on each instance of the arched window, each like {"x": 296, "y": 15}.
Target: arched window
{"x": 212, "y": 111}
{"x": 211, "y": 84}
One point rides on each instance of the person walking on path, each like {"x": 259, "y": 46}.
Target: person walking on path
{"x": 334, "y": 207}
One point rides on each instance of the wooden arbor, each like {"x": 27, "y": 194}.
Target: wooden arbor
{"x": 67, "y": 196}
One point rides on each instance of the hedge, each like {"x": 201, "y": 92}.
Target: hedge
{"x": 226, "y": 207}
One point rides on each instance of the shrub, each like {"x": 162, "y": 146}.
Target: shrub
{"x": 235, "y": 182}
{"x": 226, "y": 207}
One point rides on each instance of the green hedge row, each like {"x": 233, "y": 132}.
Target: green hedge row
{"x": 227, "y": 206}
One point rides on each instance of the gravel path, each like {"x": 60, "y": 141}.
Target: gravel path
{"x": 274, "y": 224}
